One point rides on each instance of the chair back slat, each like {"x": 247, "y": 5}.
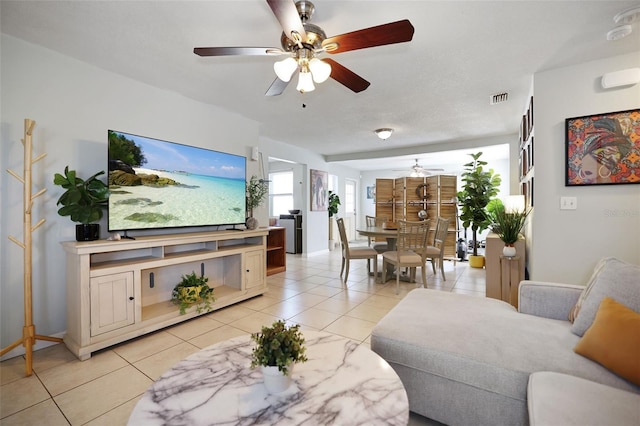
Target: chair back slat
{"x": 441, "y": 232}
{"x": 412, "y": 236}
{"x": 344, "y": 241}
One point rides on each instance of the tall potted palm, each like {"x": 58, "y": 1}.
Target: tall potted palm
{"x": 480, "y": 186}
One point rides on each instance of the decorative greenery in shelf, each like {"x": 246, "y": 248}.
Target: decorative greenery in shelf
{"x": 193, "y": 290}
{"x": 278, "y": 346}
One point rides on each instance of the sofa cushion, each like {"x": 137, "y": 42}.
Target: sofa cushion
{"x": 560, "y": 399}
{"x": 616, "y": 279}
{"x": 613, "y": 340}
{"x": 576, "y": 308}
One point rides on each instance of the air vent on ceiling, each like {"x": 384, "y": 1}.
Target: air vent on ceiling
{"x": 498, "y": 98}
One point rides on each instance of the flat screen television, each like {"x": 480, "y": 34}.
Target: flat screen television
{"x": 160, "y": 184}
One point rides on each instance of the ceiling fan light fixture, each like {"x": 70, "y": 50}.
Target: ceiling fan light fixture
{"x": 383, "y": 133}
{"x": 305, "y": 81}
{"x": 284, "y": 69}
{"x": 320, "y": 70}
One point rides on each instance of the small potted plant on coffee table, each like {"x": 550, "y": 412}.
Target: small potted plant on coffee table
{"x": 193, "y": 290}
{"x": 277, "y": 349}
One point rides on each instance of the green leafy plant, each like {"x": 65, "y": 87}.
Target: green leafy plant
{"x": 257, "y": 190}
{"x": 193, "y": 290}
{"x": 83, "y": 200}
{"x": 507, "y": 225}
{"x": 278, "y": 346}
{"x": 480, "y": 186}
{"x": 334, "y": 202}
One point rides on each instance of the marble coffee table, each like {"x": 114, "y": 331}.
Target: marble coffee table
{"x": 342, "y": 383}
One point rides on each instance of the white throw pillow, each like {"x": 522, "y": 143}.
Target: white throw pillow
{"x": 615, "y": 279}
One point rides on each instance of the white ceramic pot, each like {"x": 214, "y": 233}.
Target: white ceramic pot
{"x": 509, "y": 251}
{"x": 274, "y": 380}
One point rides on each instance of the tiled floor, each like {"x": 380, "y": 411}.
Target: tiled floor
{"x": 104, "y": 389}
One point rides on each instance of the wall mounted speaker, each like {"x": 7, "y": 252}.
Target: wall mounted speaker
{"x": 626, "y": 77}
{"x": 255, "y": 153}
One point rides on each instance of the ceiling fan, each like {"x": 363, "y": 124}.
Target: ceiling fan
{"x": 302, "y": 43}
{"x": 418, "y": 171}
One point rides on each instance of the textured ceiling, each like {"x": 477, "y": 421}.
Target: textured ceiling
{"x": 433, "y": 91}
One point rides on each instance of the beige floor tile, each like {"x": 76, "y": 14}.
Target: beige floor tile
{"x": 99, "y": 396}
{"x": 12, "y": 370}
{"x": 315, "y": 318}
{"x": 218, "y": 335}
{"x": 194, "y": 327}
{"x": 307, "y": 300}
{"x": 20, "y": 394}
{"x": 142, "y": 347}
{"x": 353, "y": 296}
{"x": 353, "y": 328}
{"x": 368, "y": 312}
{"x": 470, "y": 285}
{"x": 254, "y": 322}
{"x": 281, "y": 293}
{"x": 51, "y": 356}
{"x": 46, "y": 412}
{"x": 300, "y": 286}
{"x": 75, "y": 373}
{"x": 338, "y": 306}
{"x": 469, "y": 292}
{"x": 316, "y": 279}
{"x": 230, "y": 313}
{"x": 155, "y": 365}
{"x": 326, "y": 291}
{"x": 285, "y": 309}
{"x": 381, "y": 301}
{"x": 260, "y": 302}
{"x": 117, "y": 416}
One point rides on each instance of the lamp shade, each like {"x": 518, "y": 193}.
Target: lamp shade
{"x": 284, "y": 69}
{"x": 320, "y": 70}
{"x": 305, "y": 82}
{"x": 514, "y": 203}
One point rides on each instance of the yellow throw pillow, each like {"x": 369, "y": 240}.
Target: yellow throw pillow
{"x": 613, "y": 340}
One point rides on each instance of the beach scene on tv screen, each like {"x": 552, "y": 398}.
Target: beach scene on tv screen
{"x": 159, "y": 184}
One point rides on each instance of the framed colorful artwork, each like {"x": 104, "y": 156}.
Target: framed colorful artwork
{"x": 603, "y": 149}
{"x": 319, "y": 190}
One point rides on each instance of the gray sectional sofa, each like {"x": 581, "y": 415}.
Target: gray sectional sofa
{"x": 466, "y": 360}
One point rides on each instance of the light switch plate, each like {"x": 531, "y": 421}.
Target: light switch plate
{"x": 568, "y": 203}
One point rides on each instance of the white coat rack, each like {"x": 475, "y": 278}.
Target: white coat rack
{"x": 29, "y": 335}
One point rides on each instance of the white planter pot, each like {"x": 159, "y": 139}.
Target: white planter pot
{"x": 509, "y": 251}
{"x": 274, "y": 380}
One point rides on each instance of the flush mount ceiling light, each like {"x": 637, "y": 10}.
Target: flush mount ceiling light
{"x": 383, "y": 133}
{"x": 625, "y": 19}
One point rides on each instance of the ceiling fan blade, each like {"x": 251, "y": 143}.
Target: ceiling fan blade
{"x": 287, "y": 14}
{"x": 246, "y": 51}
{"x": 393, "y": 32}
{"x": 277, "y": 87}
{"x": 346, "y": 77}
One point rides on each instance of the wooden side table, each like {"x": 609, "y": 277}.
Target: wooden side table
{"x": 510, "y": 277}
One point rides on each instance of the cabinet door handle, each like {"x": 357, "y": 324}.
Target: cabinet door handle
{"x": 247, "y": 270}
{"x": 131, "y": 298}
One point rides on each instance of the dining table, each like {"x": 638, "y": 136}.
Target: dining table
{"x": 390, "y": 234}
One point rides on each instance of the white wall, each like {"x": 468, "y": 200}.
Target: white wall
{"x": 73, "y": 105}
{"x": 566, "y": 244}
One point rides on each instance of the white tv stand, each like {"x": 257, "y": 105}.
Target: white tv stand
{"x": 118, "y": 290}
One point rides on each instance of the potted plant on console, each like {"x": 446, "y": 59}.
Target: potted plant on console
{"x": 257, "y": 190}
{"x": 507, "y": 224}
{"x": 84, "y": 201}
{"x": 193, "y": 290}
{"x": 479, "y": 187}
{"x": 277, "y": 349}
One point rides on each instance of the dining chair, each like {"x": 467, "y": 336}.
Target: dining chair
{"x": 436, "y": 251}
{"x": 411, "y": 241}
{"x": 377, "y": 221}
{"x": 348, "y": 253}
